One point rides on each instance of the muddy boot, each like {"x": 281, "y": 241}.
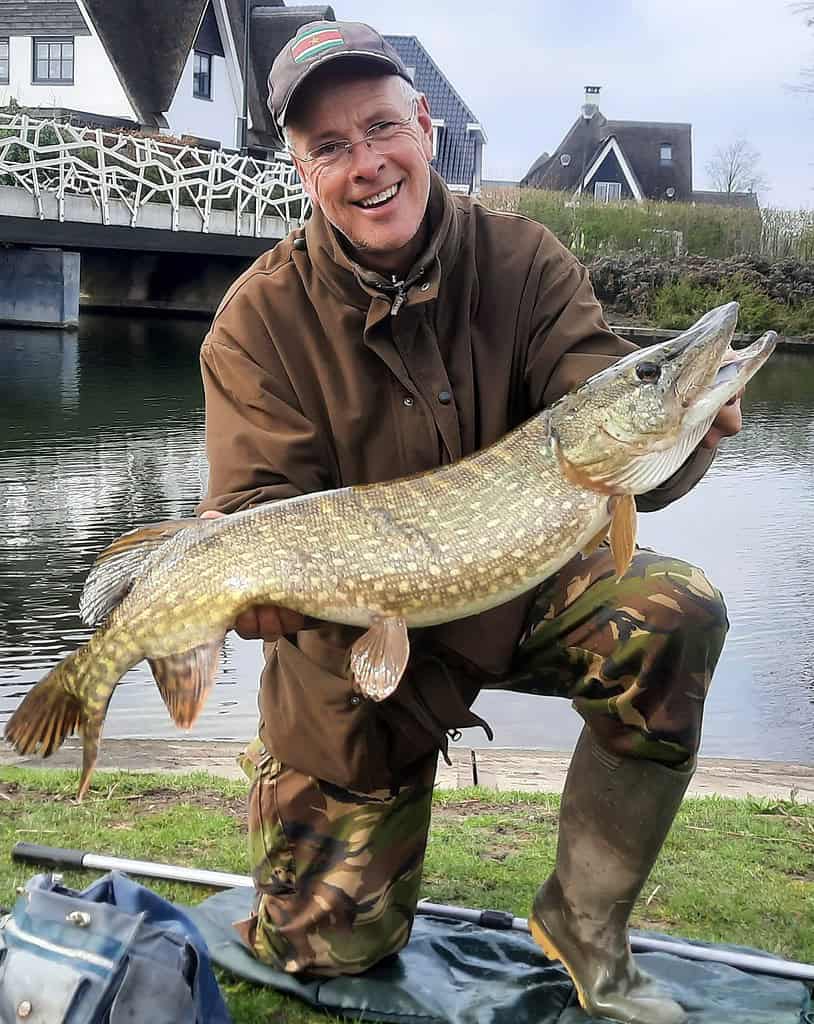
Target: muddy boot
{"x": 614, "y": 817}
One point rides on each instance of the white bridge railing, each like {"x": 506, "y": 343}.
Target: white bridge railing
{"x": 130, "y": 178}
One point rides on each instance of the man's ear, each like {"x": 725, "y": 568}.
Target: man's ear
{"x": 425, "y": 125}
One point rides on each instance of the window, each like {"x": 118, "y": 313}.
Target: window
{"x": 666, "y": 153}
{"x": 4, "y": 62}
{"x": 608, "y": 191}
{"x": 202, "y": 76}
{"x": 53, "y": 61}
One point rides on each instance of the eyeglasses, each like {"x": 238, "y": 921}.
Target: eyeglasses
{"x": 338, "y": 151}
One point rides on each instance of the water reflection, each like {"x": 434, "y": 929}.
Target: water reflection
{"x": 103, "y": 432}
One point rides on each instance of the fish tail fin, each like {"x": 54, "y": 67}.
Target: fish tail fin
{"x": 50, "y": 712}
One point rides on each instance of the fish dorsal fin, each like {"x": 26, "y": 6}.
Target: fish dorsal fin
{"x": 115, "y": 569}
{"x": 379, "y": 657}
{"x": 622, "y": 534}
{"x": 185, "y": 680}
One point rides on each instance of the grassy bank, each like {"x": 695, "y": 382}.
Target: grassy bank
{"x": 732, "y": 871}
{"x": 593, "y": 229}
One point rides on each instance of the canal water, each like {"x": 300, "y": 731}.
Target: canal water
{"x": 103, "y": 432}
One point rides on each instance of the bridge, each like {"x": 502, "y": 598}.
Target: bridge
{"x": 78, "y": 188}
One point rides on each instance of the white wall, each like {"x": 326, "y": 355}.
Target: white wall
{"x": 96, "y": 87}
{"x": 209, "y": 119}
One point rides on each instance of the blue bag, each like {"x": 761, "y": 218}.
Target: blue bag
{"x": 114, "y": 954}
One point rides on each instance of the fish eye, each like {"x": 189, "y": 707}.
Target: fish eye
{"x": 648, "y": 372}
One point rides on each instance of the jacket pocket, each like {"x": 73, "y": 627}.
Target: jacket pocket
{"x": 314, "y": 722}
{"x": 431, "y": 705}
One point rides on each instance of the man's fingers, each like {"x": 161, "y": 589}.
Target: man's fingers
{"x": 727, "y": 423}
{"x": 247, "y": 624}
{"x": 268, "y": 622}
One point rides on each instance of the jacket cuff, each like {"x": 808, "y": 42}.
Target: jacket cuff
{"x": 679, "y": 483}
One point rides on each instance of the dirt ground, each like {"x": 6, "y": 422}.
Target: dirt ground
{"x": 502, "y": 769}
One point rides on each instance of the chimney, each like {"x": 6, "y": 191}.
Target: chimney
{"x": 591, "y": 104}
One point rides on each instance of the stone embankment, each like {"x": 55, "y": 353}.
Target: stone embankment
{"x": 502, "y": 769}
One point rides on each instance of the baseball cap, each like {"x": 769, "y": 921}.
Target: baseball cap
{"x": 318, "y": 43}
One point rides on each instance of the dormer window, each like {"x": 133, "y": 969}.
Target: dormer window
{"x": 666, "y": 153}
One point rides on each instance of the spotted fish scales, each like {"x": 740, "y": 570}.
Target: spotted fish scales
{"x": 391, "y": 556}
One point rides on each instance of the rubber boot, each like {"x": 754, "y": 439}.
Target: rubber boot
{"x": 614, "y": 817}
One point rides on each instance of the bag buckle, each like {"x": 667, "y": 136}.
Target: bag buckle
{"x": 78, "y": 917}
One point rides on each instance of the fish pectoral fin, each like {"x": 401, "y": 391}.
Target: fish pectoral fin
{"x": 622, "y": 534}
{"x": 379, "y": 657}
{"x": 595, "y": 541}
{"x": 185, "y": 680}
{"x": 115, "y": 569}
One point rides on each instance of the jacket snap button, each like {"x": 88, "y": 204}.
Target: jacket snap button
{"x": 444, "y": 397}
{"x": 425, "y": 287}
{"x": 355, "y": 699}
{"x": 299, "y": 244}
{"x": 409, "y": 401}
{"x": 24, "y": 1009}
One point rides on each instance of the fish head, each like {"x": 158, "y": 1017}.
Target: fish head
{"x": 631, "y": 426}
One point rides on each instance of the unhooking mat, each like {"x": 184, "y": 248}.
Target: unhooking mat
{"x": 459, "y": 973}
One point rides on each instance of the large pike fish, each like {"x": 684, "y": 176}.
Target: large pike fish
{"x": 411, "y": 552}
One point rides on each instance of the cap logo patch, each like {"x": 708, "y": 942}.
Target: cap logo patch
{"x": 314, "y": 42}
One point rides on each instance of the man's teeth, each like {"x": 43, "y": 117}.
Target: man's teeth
{"x": 382, "y": 197}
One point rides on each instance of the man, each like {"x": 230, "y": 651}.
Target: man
{"x": 400, "y": 330}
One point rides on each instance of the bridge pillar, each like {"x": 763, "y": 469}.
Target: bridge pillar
{"x": 39, "y": 288}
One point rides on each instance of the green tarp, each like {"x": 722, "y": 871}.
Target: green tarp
{"x": 459, "y": 973}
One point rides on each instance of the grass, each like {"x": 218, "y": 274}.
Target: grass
{"x": 733, "y": 871}
{"x": 593, "y": 229}
{"x": 677, "y": 305}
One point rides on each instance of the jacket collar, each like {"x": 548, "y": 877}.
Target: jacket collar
{"x": 357, "y": 286}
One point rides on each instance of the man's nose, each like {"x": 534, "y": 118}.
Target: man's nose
{"x": 365, "y": 161}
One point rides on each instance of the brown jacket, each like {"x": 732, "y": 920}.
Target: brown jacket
{"x": 321, "y": 374}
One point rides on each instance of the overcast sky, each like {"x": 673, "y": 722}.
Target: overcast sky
{"x": 728, "y": 67}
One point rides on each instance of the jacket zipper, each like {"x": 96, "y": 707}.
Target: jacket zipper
{"x": 398, "y": 299}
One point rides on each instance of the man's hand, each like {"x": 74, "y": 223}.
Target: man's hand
{"x": 727, "y": 423}
{"x": 264, "y": 621}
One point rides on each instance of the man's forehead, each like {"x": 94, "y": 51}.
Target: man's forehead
{"x": 334, "y": 104}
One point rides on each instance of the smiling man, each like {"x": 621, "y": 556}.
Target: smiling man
{"x": 402, "y": 329}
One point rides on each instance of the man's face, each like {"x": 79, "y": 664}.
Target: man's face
{"x": 381, "y": 232}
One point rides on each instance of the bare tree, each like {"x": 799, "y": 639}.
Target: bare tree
{"x": 736, "y": 168}
{"x": 806, "y": 9}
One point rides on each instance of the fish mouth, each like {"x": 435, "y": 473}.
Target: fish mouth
{"x": 711, "y": 372}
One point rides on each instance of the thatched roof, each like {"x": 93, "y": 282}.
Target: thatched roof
{"x": 272, "y": 27}
{"x": 640, "y": 142}
{"x": 148, "y": 42}
{"x": 740, "y": 200}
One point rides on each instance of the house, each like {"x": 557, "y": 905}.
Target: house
{"x": 176, "y": 66}
{"x": 169, "y": 65}
{"x": 458, "y": 137}
{"x": 615, "y": 160}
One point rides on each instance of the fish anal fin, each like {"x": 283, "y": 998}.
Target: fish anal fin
{"x": 595, "y": 541}
{"x": 379, "y": 657}
{"x": 115, "y": 569}
{"x": 622, "y": 533}
{"x": 185, "y": 680}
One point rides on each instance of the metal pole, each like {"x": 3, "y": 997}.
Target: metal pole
{"x": 498, "y": 919}
{"x": 244, "y": 121}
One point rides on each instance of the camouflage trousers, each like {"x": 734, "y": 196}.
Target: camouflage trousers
{"x": 338, "y": 872}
